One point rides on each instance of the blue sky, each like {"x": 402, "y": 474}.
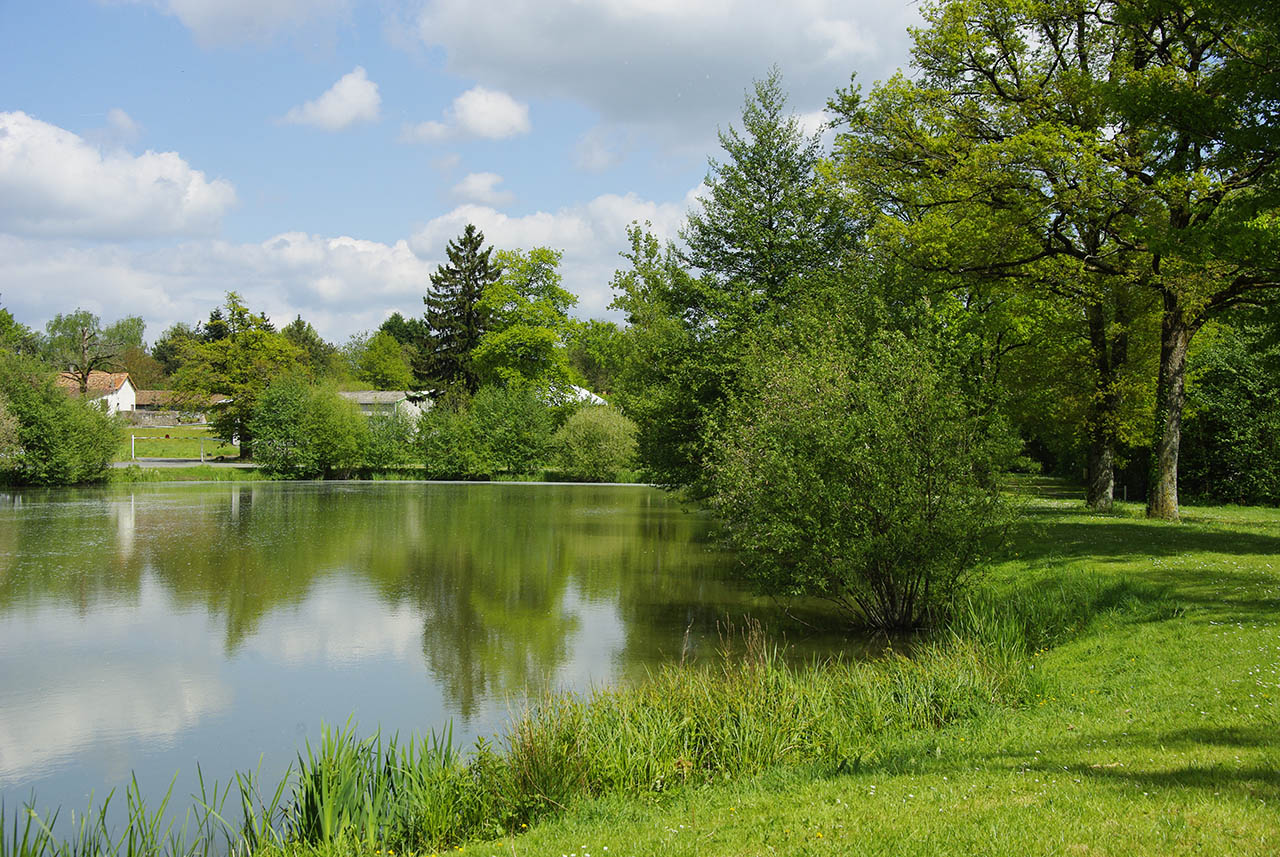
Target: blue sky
{"x": 316, "y": 155}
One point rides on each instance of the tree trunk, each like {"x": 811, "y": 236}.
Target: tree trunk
{"x": 1100, "y": 474}
{"x": 1175, "y": 336}
{"x": 1110, "y": 351}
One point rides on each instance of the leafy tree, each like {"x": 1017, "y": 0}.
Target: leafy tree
{"x": 10, "y": 442}
{"x": 455, "y": 314}
{"x": 144, "y": 370}
{"x": 765, "y": 223}
{"x": 169, "y": 348}
{"x": 515, "y": 426}
{"x": 240, "y": 365}
{"x": 450, "y": 443}
{"x": 528, "y": 316}
{"x": 597, "y": 352}
{"x": 768, "y": 238}
{"x": 1232, "y": 450}
{"x": 861, "y": 477}
{"x": 381, "y": 363}
{"x": 675, "y": 377}
{"x": 78, "y": 343}
{"x": 60, "y": 440}
{"x": 303, "y": 431}
{"x": 595, "y": 444}
{"x": 1118, "y": 154}
{"x": 320, "y": 356}
{"x": 16, "y": 337}
{"x": 390, "y": 441}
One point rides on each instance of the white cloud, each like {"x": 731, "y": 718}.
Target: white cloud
{"x": 225, "y": 21}
{"x": 478, "y": 112}
{"x": 671, "y": 68}
{"x": 482, "y": 188}
{"x": 598, "y": 150}
{"x": 341, "y": 285}
{"x": 354, "y": 98}
{"x": 54, "y": 183}
{"x": 591, "y": 235}
{"x": 122, "y": 125}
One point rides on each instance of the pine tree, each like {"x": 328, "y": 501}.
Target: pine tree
{"x": 454, "y": 314}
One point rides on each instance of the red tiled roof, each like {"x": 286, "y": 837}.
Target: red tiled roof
{"x": 100, "y": 383}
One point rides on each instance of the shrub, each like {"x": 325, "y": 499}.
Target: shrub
{"x": 303, "y": 432}
{"x": 516, "y": 426}
{"x": 391, "y": 440}
{"x": 864, "y": 479}
{"x": 56, "y": 439}
{"x": 450, "y": 443}
{"x": 595, "y": 443}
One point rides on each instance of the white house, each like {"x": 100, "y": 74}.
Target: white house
{"x": 113, "y": 389}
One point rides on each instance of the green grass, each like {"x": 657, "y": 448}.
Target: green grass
{"x": 195, "y": 473}
{"x": 1154, "y": 731}
{"x": 1112, "y": 690}
{"x": 175, "y": 442}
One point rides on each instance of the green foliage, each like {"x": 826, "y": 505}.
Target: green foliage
{"x": 383, "y": 365}
{"x": 674, "y": 377}
{"x": 61, "y": 440}
{"x": 171, "y": 345}
{"x": 528, "y": 315}
{"x": 765, "y": 224}
{"x": 320, "y": 357}
{"x": 1061, "y": 151}
{"x": 456, "y": 314}
{"x": 450, "y": 443}
{"x": 303, "y": 431}
{"x": 768, "y": 237}
{"x": 16, "y": 337}
{"x": 597, "y": 352}
{"x": 862, "y": 478}
{"x": 390, "y": 441}
{"x": 1232, "y": 432}
{"x": 10, "y": 442}
{"x": 516, "y": 425}
{"x": 77, "y": 343}
{"x": 145, "y": 371}
{"x": 595, "y": 444}
{"x": 239, "y": 360}
{"x": 498, "y": 430}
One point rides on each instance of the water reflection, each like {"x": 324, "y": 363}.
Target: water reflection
{"x": 158, "y": 626}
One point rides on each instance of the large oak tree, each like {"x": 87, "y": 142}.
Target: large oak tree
{"x": 1120, "y": 155}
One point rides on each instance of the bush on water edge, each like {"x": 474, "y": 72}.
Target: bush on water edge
{"x": 685, "y": 725}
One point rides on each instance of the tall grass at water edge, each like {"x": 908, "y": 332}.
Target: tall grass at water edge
{"x": 748, "y": 712}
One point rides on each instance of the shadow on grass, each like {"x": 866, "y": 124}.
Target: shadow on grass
{"x": 1073, "y": 534}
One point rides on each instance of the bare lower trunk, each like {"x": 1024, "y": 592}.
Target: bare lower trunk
{"x": 1110, "y": 345}
{"x": 1175, "y": 336}
{"x": 1100, "y": 474}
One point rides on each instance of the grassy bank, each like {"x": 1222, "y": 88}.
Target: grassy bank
{"x": 135, "y": 474}
{"x": 1112, "y": 691}
{"x": 173, "y": 442}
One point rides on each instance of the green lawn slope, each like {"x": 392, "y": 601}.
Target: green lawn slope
{"x": 1152, "y": 732}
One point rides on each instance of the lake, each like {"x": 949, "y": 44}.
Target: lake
{"x": 152, "y": 628}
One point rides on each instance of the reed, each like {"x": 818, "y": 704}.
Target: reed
{"x": 746, "y": 712}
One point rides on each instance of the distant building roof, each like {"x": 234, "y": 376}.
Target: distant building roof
{"x": 173, "y": 399}
{"x": 100, "y": 383}
{"x": 375, "y": 397}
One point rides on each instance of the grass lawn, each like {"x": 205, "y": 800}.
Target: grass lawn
{"x": 176, "y": 442}
{"x": 1150, "y": 736}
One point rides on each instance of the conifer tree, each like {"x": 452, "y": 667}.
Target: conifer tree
{"x": 455, "y": 315}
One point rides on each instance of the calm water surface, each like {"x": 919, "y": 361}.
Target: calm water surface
{"x": 151, "y": 628}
